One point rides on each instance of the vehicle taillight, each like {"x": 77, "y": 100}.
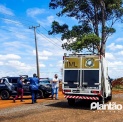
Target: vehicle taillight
{"x": 96, "y": 92}
{"x": 66, "y": 90}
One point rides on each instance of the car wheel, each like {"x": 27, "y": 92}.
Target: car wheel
{"x": 5, "y": 95}
{"x": 40, "y": 94}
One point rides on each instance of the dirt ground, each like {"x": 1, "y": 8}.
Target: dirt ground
{"x": 47, "y": 110}
{"x": 27, "y": 100}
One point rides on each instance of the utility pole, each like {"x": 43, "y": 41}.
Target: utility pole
{"x": 36, "y": 48}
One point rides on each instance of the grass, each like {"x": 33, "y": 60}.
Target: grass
{"x": 118, "y": 87}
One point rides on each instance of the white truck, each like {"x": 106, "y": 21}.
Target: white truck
{"x": 85, "y": 77}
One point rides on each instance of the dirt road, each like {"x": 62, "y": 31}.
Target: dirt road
{"x": 48, "y": 110}
{"x": 27, "y": 100}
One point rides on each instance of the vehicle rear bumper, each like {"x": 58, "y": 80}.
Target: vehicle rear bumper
{"x": 84, "y": 97}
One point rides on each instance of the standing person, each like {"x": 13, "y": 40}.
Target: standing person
{"x": 34, "y": 88}
{"x": 55, "y": 86}
{"x": 19, "y": 89}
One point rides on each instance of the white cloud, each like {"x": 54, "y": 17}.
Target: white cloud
{"x": 109, "y": 56}
{"x": 32, "y": 12}
{"x": 114, "y": 47}
{"x": 18, "y": 65}
{"x": 9, "y": 56}
{"x": 115, "y": 68}
{"x": 42, "y": 65}
{"x": 51, "y": 65}
{"x": 60, "y": 64}
{"x": 5, "y": 10}
{"x": 54, "y": 48}
{"x": 20, "y": 36}
{"x": 50, "y": 19}
{"x": 18, "y": 44}
{"x": 43, "y": 58}
{"x": 9, "y": 21}
{"x": 15, "y": 63}
{"x": 43, "y": 53}
{"x": 43, "y": 23}
{"x": 120, "y": 53}
{"x": 115, "y": 63}
{"x": 119, "y": 39}
{"x": 1, "y": 63}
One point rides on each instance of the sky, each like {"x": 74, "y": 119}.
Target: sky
{"x": 17, "y": 43}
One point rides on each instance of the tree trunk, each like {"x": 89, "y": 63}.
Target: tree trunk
{"x": 102, "y": 50}
{"x": 96, "y": 30}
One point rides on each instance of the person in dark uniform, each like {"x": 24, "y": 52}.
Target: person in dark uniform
{"x": 19, "y": 90}
{"x": 34, "y": 88}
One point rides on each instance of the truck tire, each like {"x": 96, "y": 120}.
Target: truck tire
{"x": 101, "y": 100}
{"x": 5, "y": 95}
{"x": 71, "y": 102}
{"x": 40, "y": 94}
{"x": 109, "y": 97}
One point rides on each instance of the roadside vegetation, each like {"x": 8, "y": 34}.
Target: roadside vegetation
{"x": 117, "y": 84}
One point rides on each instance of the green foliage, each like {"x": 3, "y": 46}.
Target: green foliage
{"x": 110, "y": 30}
{"x": 68, "y": 34}
{"x": 86, "y": 41}
{"x": 89, "y": 16}
{"x": 56, "y": 28}
{"x": 119, "y": 87}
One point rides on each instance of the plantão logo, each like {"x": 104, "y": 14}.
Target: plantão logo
{"x": 109, "y": 106}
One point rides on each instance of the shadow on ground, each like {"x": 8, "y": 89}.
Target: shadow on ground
{"x": 85, "y": 105}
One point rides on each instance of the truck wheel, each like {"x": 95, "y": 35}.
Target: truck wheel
{"x": 40, "y": 94}
{"x": 5, "y": 95}
{"x": 110, "y": 97}
{"x": 101, "y": 100}
{"x": 71, "y": 102}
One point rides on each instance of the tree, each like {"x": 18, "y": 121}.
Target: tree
{"x": 92, "y": 15}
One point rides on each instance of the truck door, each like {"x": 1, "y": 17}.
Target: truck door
{"x": 71, "y": 72}
{"x": 90, "y": 72}
{"x": 72, "y": 78}
{"x": 90, "y": 77}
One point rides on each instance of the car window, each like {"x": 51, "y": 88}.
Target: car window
{"x": 44, "y": 81}
{"x": 26, "y": 82}
{"x": 14, "y": 80}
